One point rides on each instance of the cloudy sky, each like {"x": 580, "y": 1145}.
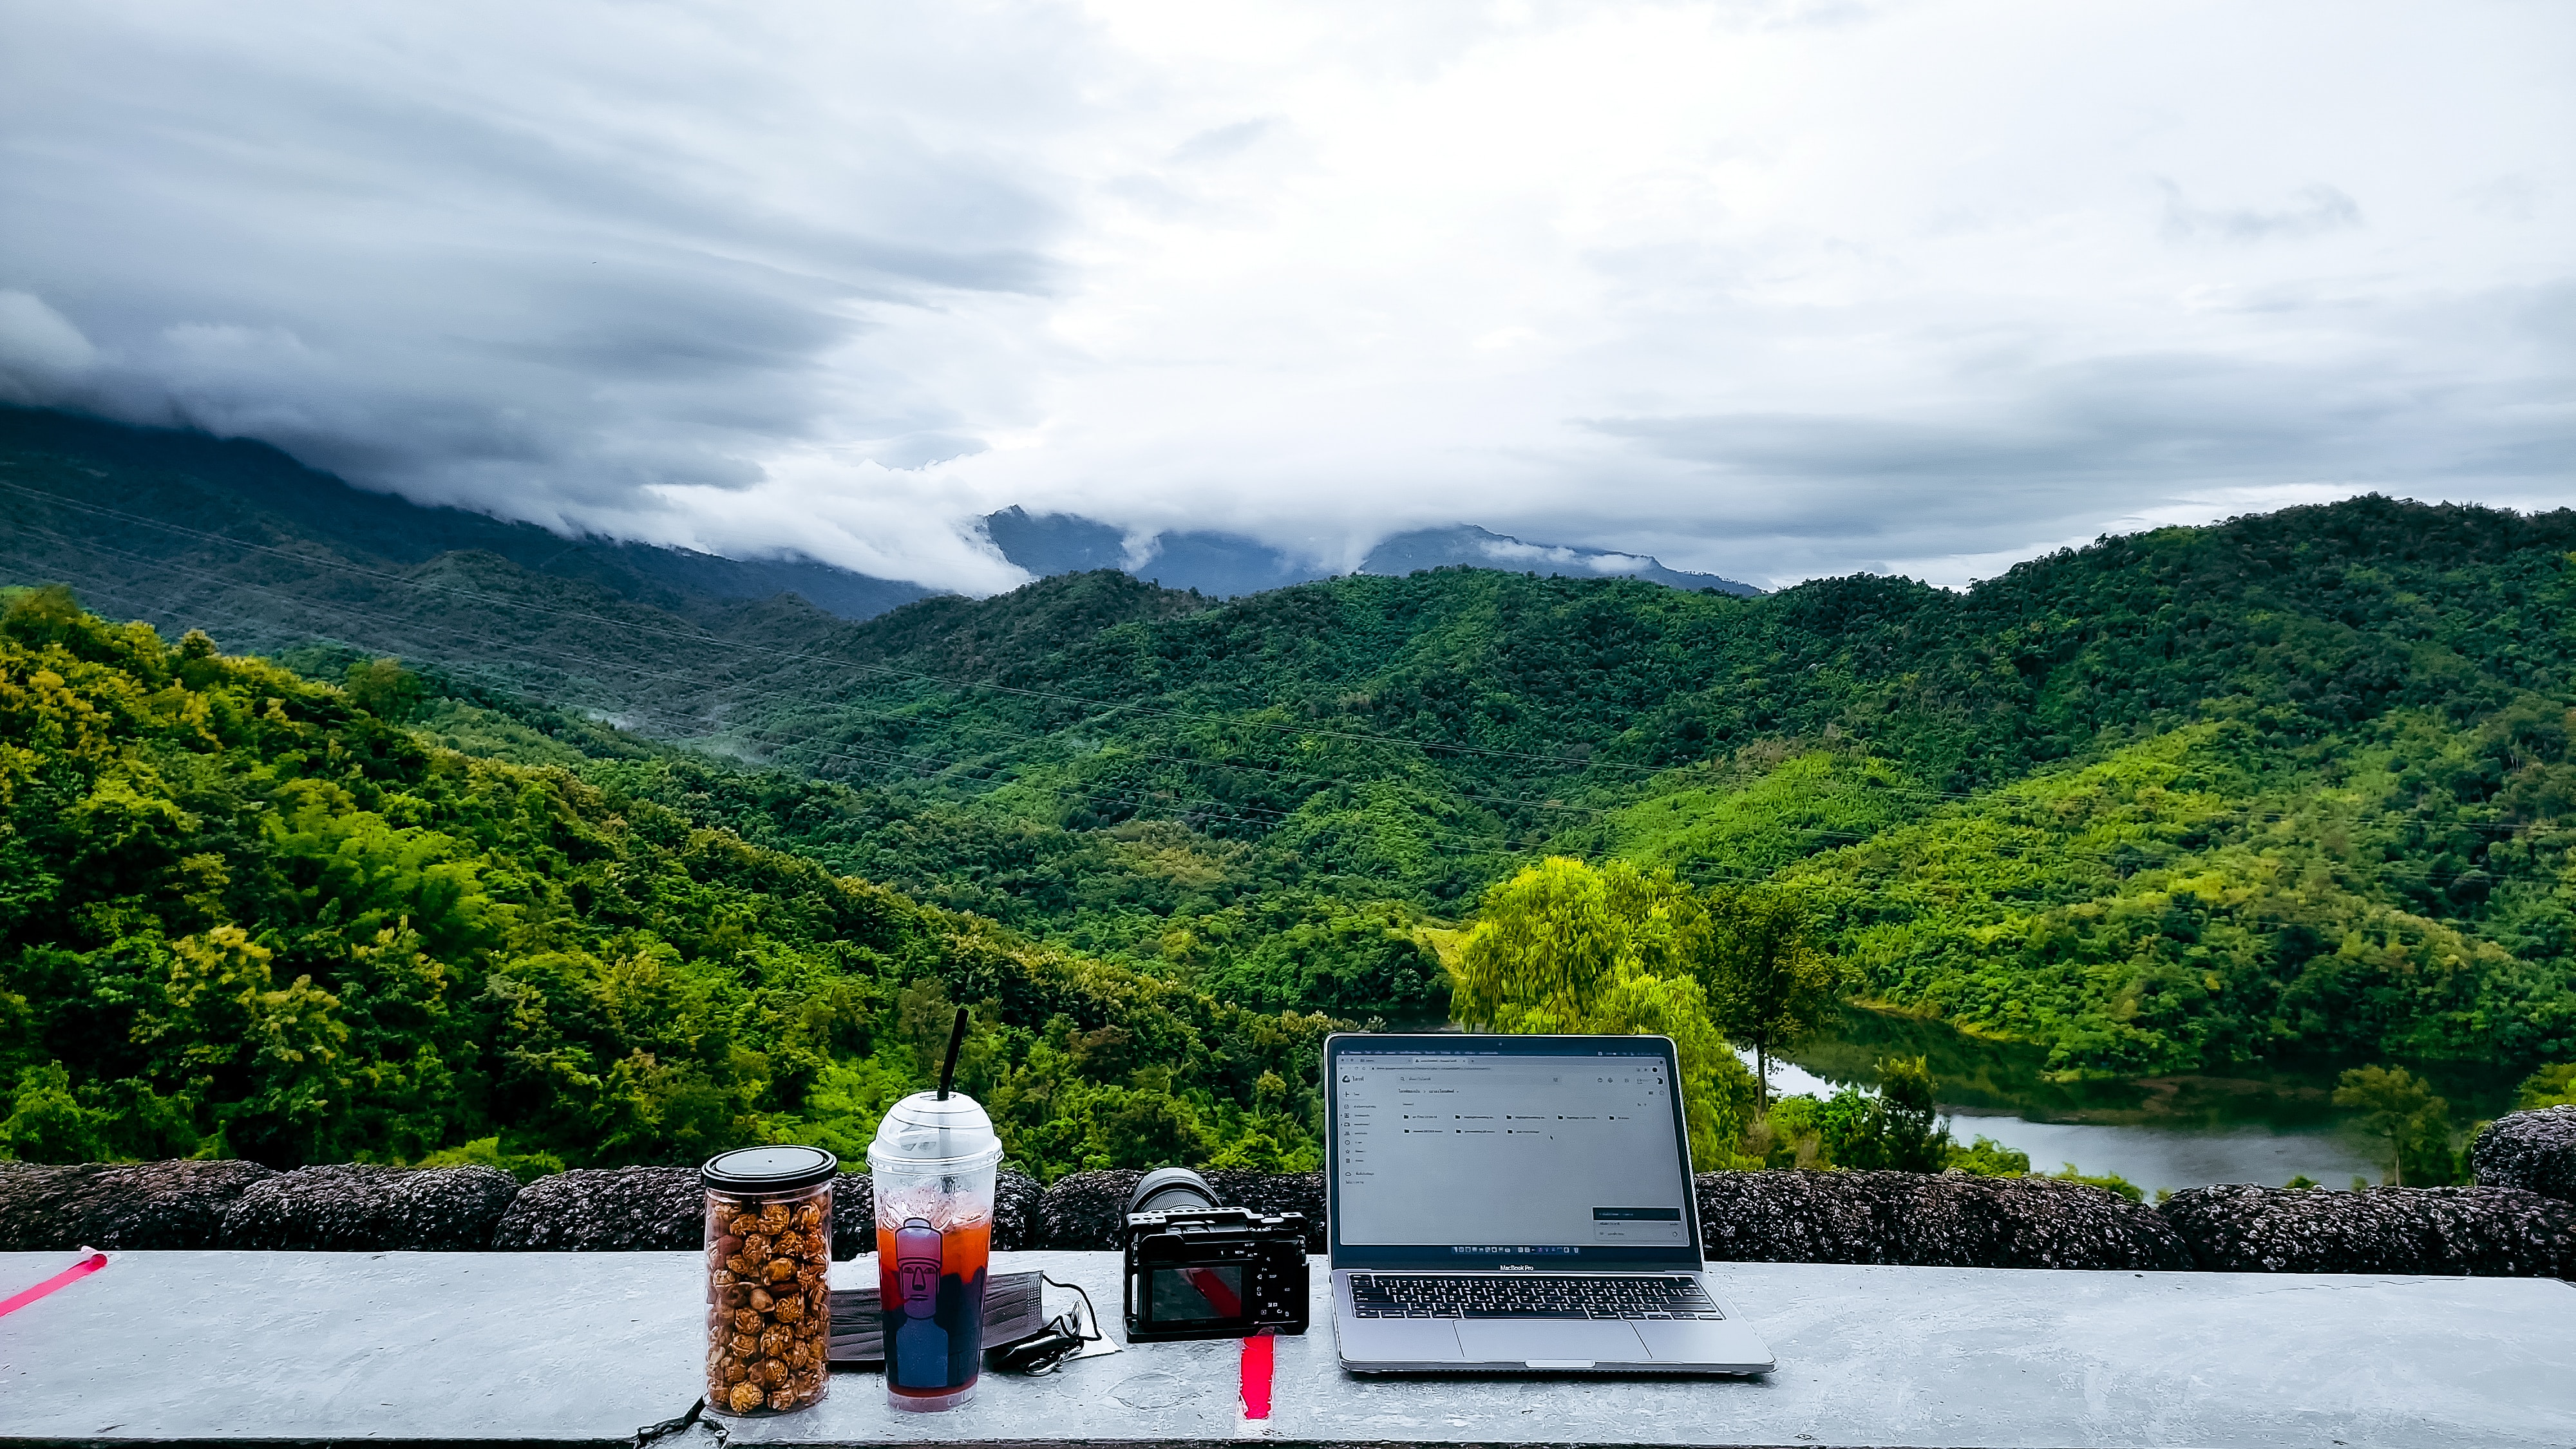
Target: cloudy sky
{"x": 1769, "y": 289}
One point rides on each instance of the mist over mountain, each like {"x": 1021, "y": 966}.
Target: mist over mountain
{"x": 1467, "y": 546}
{"x": 256, "y": 492}
{"x": 1229, "y": 565}
{"x": 203, "y": 490}
{"x": 2297, "y": 787}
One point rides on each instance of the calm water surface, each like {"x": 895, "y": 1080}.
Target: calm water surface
{"x": 2251, "y": 1124}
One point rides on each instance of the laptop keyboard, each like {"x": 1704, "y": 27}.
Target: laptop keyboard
{"x": 1404, "y": 1295}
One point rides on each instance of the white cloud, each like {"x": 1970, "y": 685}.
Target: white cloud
{"x": 1765, "y": 289}
{"x": 42, "y": 354}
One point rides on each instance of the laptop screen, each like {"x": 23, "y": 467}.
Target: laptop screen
{"x": 1490, "y": 1151}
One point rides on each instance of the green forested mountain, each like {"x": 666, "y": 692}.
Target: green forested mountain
{"x": 2290, "y": 786}
{"x": 185, "y": 531}
{"x": 241, "y": 913}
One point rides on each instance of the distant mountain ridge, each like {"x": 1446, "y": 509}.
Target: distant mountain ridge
{"x": 242, "y": 480}
{"x": 1465, "y": 545}
{"x": 1229, "y": 565}
{"x": 229, "y": 484}
{"x": 2300, "y": 783}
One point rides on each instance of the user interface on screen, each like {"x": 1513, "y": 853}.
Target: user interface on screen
{"x": 1507, "y": 1154}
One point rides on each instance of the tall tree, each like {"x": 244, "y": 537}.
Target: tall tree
{"x": 1565, "y": 947}
{"x": 2395, "y": 1104}
{"x": 1768, "y": 985}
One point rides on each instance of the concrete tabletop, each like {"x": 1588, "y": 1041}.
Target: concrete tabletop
{"x": 308, "y": 1348}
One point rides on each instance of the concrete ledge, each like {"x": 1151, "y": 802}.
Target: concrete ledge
{"x": 585, "y": 1348}
{"x": 2534, "y": 1151}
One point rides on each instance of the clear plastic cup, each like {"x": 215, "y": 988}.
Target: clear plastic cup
{"x": 769, "y": 1266}
{"x": 933, "y": 1162}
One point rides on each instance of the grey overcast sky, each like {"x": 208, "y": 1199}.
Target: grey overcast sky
{"x": 1771, "y": 289}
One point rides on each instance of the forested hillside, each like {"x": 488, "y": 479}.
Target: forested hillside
{"x": 2290, "y": 786}
{"x": 241, "y": 913}
{"x": 2296, "y": 784}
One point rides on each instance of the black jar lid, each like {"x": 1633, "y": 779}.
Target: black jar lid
{"x": 768, "y": 1169}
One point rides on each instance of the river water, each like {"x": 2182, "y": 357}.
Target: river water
{"x": 2251, "y": 1124}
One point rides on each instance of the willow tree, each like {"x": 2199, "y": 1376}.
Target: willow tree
{"x": 1563, "y": 947}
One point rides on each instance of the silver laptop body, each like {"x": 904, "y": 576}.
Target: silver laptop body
{"x": 1517, "y": 1204}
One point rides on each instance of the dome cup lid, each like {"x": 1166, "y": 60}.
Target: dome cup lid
{"x": 922, "y": 1130}
{"x": 768, "y": 1169}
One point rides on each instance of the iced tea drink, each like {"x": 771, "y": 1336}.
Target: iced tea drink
{"x": 932, "y": 1165}
{"x": 930, "y": 1286}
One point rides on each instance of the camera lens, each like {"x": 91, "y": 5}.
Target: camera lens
{"x": 1172, "y": 1190}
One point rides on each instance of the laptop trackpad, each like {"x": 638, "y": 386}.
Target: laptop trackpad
{"x": 1509, "y": 1340}
{"x": 1397, "y": 1340}
{"x": 1728, "y": 1344}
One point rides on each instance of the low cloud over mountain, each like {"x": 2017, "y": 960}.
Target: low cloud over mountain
{"x": 1768, "y": 288}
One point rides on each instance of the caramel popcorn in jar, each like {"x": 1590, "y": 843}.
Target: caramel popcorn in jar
{"x": 769, "y": 1257}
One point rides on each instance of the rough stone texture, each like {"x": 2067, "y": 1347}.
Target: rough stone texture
{"x": 2488, "y": 1231}
{"x": 2534, "y": 1151}
{"x": 854, "y": 1216}
{"x": 154, "y": 1205}
{"x": 359, "y": 1208}
{"x": 1015, "y": 1211}
{"x": 1292, "y": 1192}
{"x": 1088, "y": 1210}
{"x": 31, "y": 1199}
{"x": 608, "y": 1210}
{"x": 1951, "y": 1220}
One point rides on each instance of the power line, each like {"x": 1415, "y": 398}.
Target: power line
{"x": 1064, "y": 791}
{"x": 2004, "y": 795}
{"x": 1810, "y": 832}
{"x": 923, "y": 676}
{"x": 1503, "y": 843}
{"x": 961, "y": 685}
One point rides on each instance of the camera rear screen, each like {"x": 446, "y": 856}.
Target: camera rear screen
{"x": 1196, "y": 1295}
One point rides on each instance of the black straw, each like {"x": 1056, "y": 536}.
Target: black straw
{"x": 956, "y": 1039}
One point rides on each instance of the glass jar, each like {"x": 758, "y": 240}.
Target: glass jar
{"x": 769, "y": 1278}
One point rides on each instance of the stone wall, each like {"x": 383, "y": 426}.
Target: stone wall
{"x": 2486, "y": 1231}
{"x": 2534, "y": 1151}
{"x": 1947, "y": 1221}
{"x": 2520, "y": 1220}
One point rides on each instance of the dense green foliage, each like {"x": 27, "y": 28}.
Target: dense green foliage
{"x": 2294, "y": 787}
{"x": 1562, "y": 947}
{"x": 244, "y": 913}
{"x": 2551, "y": 1086}
{"x": 2413, "y": 1126}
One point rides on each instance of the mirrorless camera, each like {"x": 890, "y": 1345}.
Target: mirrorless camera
{"x": 1199, "y": 1269}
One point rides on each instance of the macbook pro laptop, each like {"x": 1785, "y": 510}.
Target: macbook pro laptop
{"x": 1518, "y": 1203}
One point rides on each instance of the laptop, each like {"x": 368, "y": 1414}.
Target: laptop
{"x": 1518, "y": 1203}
